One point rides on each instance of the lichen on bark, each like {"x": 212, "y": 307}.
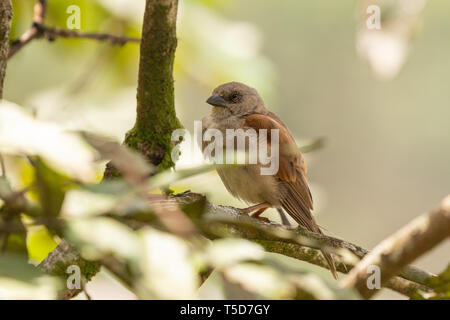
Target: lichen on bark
{"x": 64, "y": 256}
{"x": 5, "y": 27}
{"x": 155, "y": 115}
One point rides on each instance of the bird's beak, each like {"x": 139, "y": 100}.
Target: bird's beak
{"x": 217, "y": 101}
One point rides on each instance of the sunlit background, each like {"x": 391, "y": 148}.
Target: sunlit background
{"x": 379, "y": 98}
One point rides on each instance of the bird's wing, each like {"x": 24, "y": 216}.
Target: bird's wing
{"x": 295, "y": 194}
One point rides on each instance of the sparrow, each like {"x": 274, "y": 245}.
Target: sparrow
{"x": 238, "y": 106}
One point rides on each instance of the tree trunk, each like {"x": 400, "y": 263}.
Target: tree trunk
{"x": 5, "y": 27}
{"x": 156, "y": 118}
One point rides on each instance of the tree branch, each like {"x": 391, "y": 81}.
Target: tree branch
{"x": 63, "y": 256}
{"x": 5, "y": 27}
{"x": 156, "y": 117}
{"x": 399, "y": 284}
{"x": 223, "y": 221}
{"x": 403, "y": 247}
{"x": 151, "y": 136}
{"x": 40, "y": 9}
{"x": 39, "y": 30}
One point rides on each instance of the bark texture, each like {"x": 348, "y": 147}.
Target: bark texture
{"x": 156, "y": 117}
{"x": 5, "y": 27}
{"x": 224, "y": 221}
{"x": 151, "y": 136}
{"x": 64, "y": 256}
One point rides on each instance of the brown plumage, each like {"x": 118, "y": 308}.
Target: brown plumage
{"x": 237, "y": 106}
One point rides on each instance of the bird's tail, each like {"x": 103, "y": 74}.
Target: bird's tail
{"x": 329, "y": 258}
{"x": 283, "y": 217}
{"x": 305, "y": 219}
{"x": 331, "y": 263}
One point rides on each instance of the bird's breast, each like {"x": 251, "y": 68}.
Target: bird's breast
{"x": 243, "y": 181}
{"x": 247, "y": 184}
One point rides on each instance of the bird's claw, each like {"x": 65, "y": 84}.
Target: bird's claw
{"x": 264, "y": 219}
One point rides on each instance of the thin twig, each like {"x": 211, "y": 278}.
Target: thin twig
{"x": 88, "y": 296}
{"x": 5, "y": 237}
{"x": 39, "y": 30}
{"x": 83, "y": 288}
{"x": 2, "y": 166}
{"x": 53, "y": 33}
{"x": 40, "y": 9}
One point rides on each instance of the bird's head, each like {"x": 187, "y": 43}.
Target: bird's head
{"x": 235, "y": 99}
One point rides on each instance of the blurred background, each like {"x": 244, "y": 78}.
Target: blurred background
{"x": 379, "y": 98}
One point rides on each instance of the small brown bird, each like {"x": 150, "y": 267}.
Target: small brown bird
{"x": 238, "y": 106}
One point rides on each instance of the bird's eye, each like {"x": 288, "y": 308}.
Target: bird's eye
{"x": 234, "y": 97}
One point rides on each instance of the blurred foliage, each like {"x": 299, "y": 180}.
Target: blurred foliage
{"x": 20, "y": 280}
{"x": 86, "y": 81}
{"x": 387, "y": 48}
{"x": 39, "y": 243}
{"x": 441, "y": 285}
{"x": 118, "y": 223}
{"x": 51, "y": 185}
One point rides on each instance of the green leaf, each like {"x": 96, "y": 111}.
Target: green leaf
{"x": 261, "y": 280}
{"x": 166, "y": 178}
{"x": 116, "y": 187}
{"x": 132, "y": 165}
{"x": 15, "y": 242}
{"x": 274, "y": 280}
{"x": 5, "y": 188}
{"x": 441, "y": 285}
{"x": 20, "y": 280}
{"x": 100, "y": 237}
{"x": 65, "y": 152}
{"x": 226, "y": 252}
{"x": 39, "y": 243}
{"x": 167, "y": 267}
{"x": 108, "y": 197}
{"x": 50, "y": 188}
{"x": 82, "y": 203}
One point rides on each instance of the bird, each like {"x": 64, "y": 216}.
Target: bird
{"x": 238, "y": 106}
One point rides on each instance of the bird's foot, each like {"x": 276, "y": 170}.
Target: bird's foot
{"x": 256, "y": 210}
{"x": 264, "y": 219}
{"x": 257, "y": 215}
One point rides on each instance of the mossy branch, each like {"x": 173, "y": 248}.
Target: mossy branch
{"x": 225, "y": 221}
{"x": 155, "y": 115}
{"x": 64, "y": 256}
{"x": 151, "y": 136}
{"x": 5, "y": 27}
